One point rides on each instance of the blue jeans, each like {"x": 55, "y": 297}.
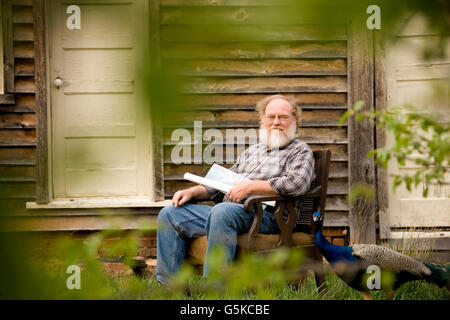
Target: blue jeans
{"x": 221, "y": 224}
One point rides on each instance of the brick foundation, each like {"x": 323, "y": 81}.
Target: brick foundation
{"x": 111, "y": 254}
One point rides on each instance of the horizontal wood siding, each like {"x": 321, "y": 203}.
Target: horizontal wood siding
{"x": 230, "y": 57}
{"x": 18, "y": 118}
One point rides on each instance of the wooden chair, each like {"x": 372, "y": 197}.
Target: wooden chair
{"x": 303, "y": 234}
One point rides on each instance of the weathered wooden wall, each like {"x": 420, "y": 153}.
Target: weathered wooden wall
{"x": 234, "y": 55}
{"x": 228, "y": 74}
{"x": 18, "y": 111}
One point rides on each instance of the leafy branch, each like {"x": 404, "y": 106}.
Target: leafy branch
{"x": 419, "y": 137}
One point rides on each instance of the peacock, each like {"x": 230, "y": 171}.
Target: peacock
{"x": 356, "y": 263}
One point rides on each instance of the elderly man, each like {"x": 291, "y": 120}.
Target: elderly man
{"x": 279, "y": 164}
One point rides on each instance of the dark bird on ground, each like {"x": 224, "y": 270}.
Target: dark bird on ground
{"x": 358, "y": 264}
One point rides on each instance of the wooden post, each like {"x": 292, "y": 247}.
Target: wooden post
{"x": 8, "y": 46}
{"x": 156, "y": 121}
{"x": 42, "y": 178}
{"x": 380, "y": 104}
{"x": 361, "y": 134}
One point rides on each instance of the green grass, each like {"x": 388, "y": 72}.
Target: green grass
{"x": 147, "y": 288}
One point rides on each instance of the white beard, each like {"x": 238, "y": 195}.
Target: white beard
{"x": 278, "y": 138}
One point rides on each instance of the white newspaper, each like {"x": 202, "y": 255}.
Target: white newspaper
{"x": 218, "y": 177}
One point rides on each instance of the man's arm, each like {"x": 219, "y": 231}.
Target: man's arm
{"x": 295, "y": 180}
{"x": 242, "y": 189}
{"x": 201, "y": 192}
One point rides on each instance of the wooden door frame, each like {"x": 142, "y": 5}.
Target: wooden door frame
{"x": 43, "y": 149}
{"x": 156, "y": 121}
{"x": 382, "y": 185}
{"x": 42, "y": 140}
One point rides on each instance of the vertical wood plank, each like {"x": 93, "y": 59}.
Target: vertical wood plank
{"x": 42, "y": 185}
{"x": 361, "y": 134}
{"x": 156, "y": 121}
{"x": 2, "y": 73}
{"x": 380, "y": 104}
{"x": 8, "y": 49}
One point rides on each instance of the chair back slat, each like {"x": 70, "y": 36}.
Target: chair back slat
{"x": 309, "y": 205}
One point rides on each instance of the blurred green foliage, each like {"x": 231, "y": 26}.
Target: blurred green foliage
{"x": 360, "y": 191}
{"x": 256, "y": 273}
{"x": 255, "y": 276}
{"x": 420, "y": 137}
{"x": 25, "y": 278}
{"x": 26, "y": 274}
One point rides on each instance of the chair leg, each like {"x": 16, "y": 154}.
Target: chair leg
{"x": 319, "y": 272}
{"x": 320, "y": 282}
{"x": 298, "y": 280}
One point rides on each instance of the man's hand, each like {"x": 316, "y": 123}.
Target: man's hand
{"x": 181, "y": 197}
{"x": 197, "y": 193}
{"x": 240, "y": 191}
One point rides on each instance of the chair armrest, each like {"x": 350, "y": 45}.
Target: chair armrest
{"x": 257, "y": 198}
{"x": 317, "y": 192}
{"x": 253, "y": 199}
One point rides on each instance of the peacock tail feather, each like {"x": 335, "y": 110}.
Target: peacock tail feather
{"x": 390, "y": 259}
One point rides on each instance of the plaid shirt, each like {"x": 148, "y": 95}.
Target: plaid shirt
{"x": 289, "y": 170}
